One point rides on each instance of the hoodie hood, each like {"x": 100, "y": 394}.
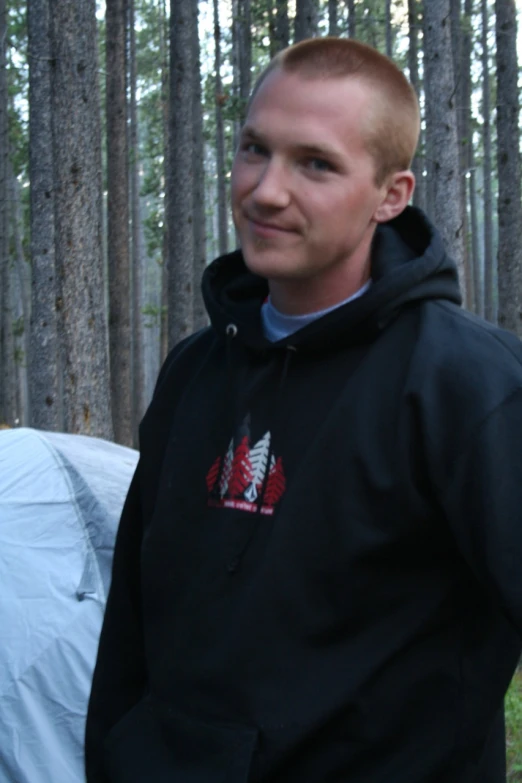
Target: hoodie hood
{"x": 409, "y": 264}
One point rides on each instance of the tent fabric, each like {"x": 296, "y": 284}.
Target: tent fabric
{"x": 60, "y": 501}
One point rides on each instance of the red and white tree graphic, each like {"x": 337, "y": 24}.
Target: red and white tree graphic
{"x": 212, "y": 475}
{"x": 276, "y": 484}
{"x": 241, "y": 475}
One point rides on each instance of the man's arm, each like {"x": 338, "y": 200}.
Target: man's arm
{"x": 482, "y": 499}
{"x": 120, "y": 674}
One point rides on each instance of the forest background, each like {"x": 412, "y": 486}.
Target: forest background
{"x": 118, "y": 123}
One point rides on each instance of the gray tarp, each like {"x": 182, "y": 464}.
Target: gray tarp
{"x": 60, "y": 501}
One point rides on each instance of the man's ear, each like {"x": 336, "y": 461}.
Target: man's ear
{"x": 397, "y": 192}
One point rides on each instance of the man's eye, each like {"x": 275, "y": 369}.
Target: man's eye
{"x": 318, "y": 164}
{"x": 251, "y": 148}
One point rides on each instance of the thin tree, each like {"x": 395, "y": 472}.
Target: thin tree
{"x": 220, "y": 138}
{"x": 43, "y": 360}
{"x": 165, "y": 104}
{"x": 419, "y": 198}
{"x": 7, "y": 412}
{"x": 305, "y": 24}
{"x": 280, "y": 34}
{"x": 181, "y": 175}
{"x": 441, "y": 130}
{"x": 460, "y": 104}
{"x": 118, "y": 221}
{"x": 78, "y": 217}
{"x": 469, "y": 161}
{"x": 490, "y": 276}
{"x": 509, "y": 172}
{"x": 388, "y": 28}
{"x": 137, "y": 259}
{"x": 332, "y": 18}
{"x": 198, "y": 190}
{"x": 244, "y": 53}
{"x": 352, "y": 20}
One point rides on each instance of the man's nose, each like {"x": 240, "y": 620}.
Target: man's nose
{"x": 273, "y": 186}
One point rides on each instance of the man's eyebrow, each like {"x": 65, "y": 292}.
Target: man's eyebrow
{"x": 309, "y": 149}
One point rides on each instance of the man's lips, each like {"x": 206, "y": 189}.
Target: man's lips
{"x": 265, "y": 228}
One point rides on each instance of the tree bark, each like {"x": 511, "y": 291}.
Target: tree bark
{"x": 181, "y": 175}
{"x": 198, "y": 191}
{"x": 244, "y": 52}
{"x": 220, "y": 140}
{"x": 490, "y": 277}
{"x": 388, "y": 28}
{"x": 78, "y": 219}
{"x": 460, "y": 76}
{"x": 352, "y": 21}
{"x": 6, "y": 335}
{"x": 138, "y": 358}
{"x": 281, "y": 31}
{"x": 419, "y": 198}
{"x": 118, "y": 221}
{"x": 469, "y": 159}
{"x": 165, "y": 104}
{"x": 305, "y": 20}
{"x": 43, "y": 363}
{"x": 332, "y": 18}
{"x": 441, "y": 130}
{"x": 509, "y": 172}
{"x": 21, "y": 304}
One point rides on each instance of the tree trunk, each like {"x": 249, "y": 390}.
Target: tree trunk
{"x": 44, "y": 353}
{"x": 165, "y": 103}
{"x": 388, "y": 28}
{"x": 469, "y": 159}
{"x": 332, "y": 18}
{"x": 244, "y": 52}
{"x": 490, "y": 277}
{"x": 441, "y": 130}
{"x": 463, "y": 141}
{"x": 352, "y": 21}
{"x": 198, "y": 192}
{"x": 419, "y": 198}
{"x": 305, "y": 19}
{"x": 6, "y": 336}
{"x": 181, "y": 175}
{"x": 118, "y": 222}
{"x": 138, "y": 358}
{"x": 21, "y": 303}
{"x": 281, "y": 32}
{"x": 220, "y": 140}
{"x": 78, "y": 219}
{"x": 509, "y": 174}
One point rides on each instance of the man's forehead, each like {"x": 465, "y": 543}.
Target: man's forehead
{"x": 310, "y": 109}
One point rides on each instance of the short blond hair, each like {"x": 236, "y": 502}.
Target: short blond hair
{"x": 392, "y": 129}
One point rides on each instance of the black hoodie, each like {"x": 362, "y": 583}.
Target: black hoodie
{"x": 317, "y": 576}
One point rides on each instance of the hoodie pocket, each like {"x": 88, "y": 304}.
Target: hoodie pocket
{"x": 154, "y": 743}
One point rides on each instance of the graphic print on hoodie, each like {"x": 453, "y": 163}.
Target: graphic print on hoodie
{"x": 249, "y": 477}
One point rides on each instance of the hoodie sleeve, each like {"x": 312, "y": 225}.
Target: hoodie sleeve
{"x": 119, "y": 676}
{"x": 482, "y": 500}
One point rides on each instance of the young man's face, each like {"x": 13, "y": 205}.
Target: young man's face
{"x": 304, "y": 199}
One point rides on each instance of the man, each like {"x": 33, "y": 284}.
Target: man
{"x": 317, "y": 572}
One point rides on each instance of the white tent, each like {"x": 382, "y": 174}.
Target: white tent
{"x": 60, "y": 501}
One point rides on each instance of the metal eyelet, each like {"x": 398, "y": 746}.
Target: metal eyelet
{"x": 231, "y": 330}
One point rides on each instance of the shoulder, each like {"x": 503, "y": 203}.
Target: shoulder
{"x": 462, "y": 367}
{"x": 184, "y": 357}
{"x": 458, "y": 345}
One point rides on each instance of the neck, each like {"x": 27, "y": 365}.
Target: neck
{"x": 320, "y": 292}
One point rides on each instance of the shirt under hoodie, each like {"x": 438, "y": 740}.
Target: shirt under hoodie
{"x": 317, "y": 575}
